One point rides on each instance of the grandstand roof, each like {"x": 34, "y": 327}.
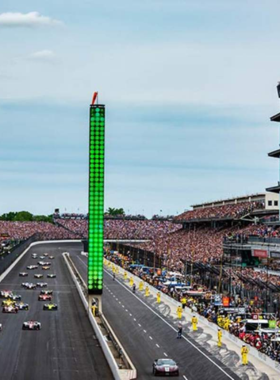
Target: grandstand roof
{"x": 221, "y": 202}
{"x": 275, "y": 153}
{"x": 275, "y": 117}
{"x": 274, "y": 189}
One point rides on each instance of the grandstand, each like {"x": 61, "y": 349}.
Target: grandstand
{"x": 239, "y": 208}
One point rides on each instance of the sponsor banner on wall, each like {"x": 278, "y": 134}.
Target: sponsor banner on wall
{"x": 262, "y": 253}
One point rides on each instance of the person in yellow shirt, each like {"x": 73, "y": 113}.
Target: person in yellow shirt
{"x": 183, "y": 302}
{"x": 179, "y": 312}
{"x": 226, "y": 323}
{"x": 244, "y": 354}
{"x": 158, "y": 297}
{"x": 220, "y": 334}
{"x": 194, "y": 323}
{"x": 147, "y": 291}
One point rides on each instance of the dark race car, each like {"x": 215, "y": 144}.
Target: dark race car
{"x": 42, "y": 284}
{"x": 51, "y": 275}
{"x": 31, "y": 267}
{"x": 29, "y": 285}
{"x": 22, "y": 306}
{"x": 31, "y": 325}
{"x": 12, "y": 309}
{"x": 37, "y": 275}
{"x": 46, "y": 291}
{"x": 50, "y": 306}
{"x": 44, "y": 297}
{"x": 23, "y": 274}
{"x": 165, "y": 367}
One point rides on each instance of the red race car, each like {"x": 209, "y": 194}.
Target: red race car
{"x": 44, "y": 297}
{"x": 11, "y": 309}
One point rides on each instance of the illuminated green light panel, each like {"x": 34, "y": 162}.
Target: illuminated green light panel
{"x": 96, "y": 199}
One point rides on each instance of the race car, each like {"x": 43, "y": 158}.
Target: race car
{"x": 37, "y": 275}
{"x": 50, "y": 306}
{"x": 32, "y": 267}
{"x": 42, "y": 284}
{"x": 22, "y": 306}
{"x": 23, "y": 274}
{"x": 34, "y": 255}
{"x": 46, "y": 254}
{"x": 165, "y": 367}
{"x": 41, "y": 263}
{"x": 12, "y": 296}
{"x": 29, "y": 285}
{"x": 12, "y": 309}
{"x": 1, "y": 327}
{"x": 42, "y": 257}
{"x": 31, "y": 325}
{"x": 45, "y": 267}
{"x": 8, "y": 302}
{"x": 44, "y": 297}
{"x": 47, "y": 263}
{"x": 51, "y": 275}
{"x": 51, "y": 257}
{"x": 50, "y": 292}
{"x": 5, "y": 293}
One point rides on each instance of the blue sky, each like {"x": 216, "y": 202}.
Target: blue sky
{"x": 189, "y": 87}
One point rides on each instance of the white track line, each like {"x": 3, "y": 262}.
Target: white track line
{"x": 157, "y": 345}
{"x": 193, "y": 345}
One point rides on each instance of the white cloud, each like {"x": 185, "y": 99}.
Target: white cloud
{"x": 43, "y": 55}
{"x": 31, "y": 19}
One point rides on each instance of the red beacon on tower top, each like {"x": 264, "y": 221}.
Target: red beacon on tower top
{"x": 94, "y": 98}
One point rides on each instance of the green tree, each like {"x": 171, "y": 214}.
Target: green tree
{"x": 9, "y": 217}
{"x": 23, "y": 216}
{"x": 115, "y": 211}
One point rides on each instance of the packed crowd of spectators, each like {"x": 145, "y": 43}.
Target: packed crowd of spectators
{"x": 70, "y": 216}
{"x": 23, "y": 230}
{"x": 233, "y": 211}
{"x": 125, "y": 229}
{"x": 261, "y": 230}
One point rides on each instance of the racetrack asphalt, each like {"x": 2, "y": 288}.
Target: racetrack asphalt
{"x": 146, "y": 337}
{"x": 66, "y": 347}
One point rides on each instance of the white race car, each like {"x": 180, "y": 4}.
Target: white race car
{"x": 38, "y": 275}
{"x": 42, "y": 284}
{"x": 31, "y": 325}
{"x": 23, "y": 274}
{"x": 32, "y": 267}
{"x": 29, "y": 285}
